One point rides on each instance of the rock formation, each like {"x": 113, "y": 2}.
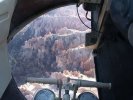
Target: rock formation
{"x": 52, "y": 45}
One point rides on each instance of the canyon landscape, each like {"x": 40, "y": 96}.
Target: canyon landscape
{"x": 52, "y": 46}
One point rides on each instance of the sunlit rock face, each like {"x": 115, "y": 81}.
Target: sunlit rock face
{"x": 55, "y": 52}
{"x": 52, "y": 45}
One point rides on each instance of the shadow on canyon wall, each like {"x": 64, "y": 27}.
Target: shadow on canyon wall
{"x": 52, "y": 44}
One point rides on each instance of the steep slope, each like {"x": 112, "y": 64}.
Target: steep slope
{"x": 52, "y": 45}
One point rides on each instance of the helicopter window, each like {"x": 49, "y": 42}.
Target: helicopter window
{"x": 52, "y": 46}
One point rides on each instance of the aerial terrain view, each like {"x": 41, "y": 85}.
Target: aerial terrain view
{"x": 52, "y": 46}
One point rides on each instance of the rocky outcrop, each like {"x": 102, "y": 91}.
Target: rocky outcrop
{"x": 41, "y": 56}
{"x": 51, "y": 44}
